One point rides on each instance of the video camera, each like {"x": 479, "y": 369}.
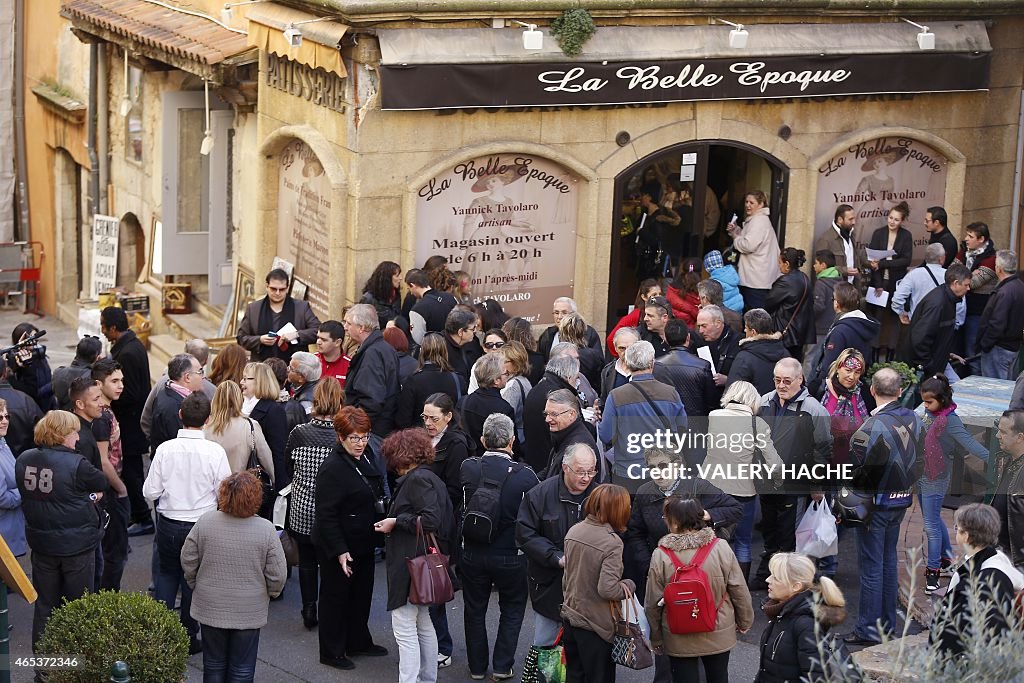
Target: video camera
{"x": 25, "y": 351}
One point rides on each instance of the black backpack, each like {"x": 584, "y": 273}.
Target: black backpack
{"x": 483, "y": 509}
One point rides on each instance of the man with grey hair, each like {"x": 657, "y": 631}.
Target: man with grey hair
{"x": 561, "y": 372}
{"x": 641, "y": 407}
{"x": 615, "y": 374}
{"x": 184, "y": 375}
{"x": 494, "y": 487}
{"x": 999, "y": 336}
{"x": 884, "y": 450}
{"x": 566, "y": 426}
{"x": 562, "y": 307}
{"x": 723, "y": 340}
{"x": 372, "y": 382}
{"x": 921, "y": 280}
{"x": 146, "y": 422}
{"x": 547, "y": 513}
{"x": 490, "y": 376}
{"x": 303, "y": 375}
{"x": 801, "y": 432}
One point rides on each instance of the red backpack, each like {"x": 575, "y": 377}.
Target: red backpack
{"x": 689, "y": 604}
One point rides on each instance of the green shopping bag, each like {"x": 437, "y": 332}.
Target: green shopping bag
{"x": 545, "y": 664}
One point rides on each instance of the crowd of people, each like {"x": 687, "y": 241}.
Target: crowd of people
{"x": 427, "y": 423}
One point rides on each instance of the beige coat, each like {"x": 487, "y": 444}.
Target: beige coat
{"x": 759, "y": 267}
{"x": 724, "y": 575}
{"x": 593, "y": 577}
{"x": 736, "y": 419}
{"x": 236, "y": 441}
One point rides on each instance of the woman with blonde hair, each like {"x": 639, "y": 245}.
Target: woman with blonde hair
{"x": 229, "y": 364}
{"x": 520, "y": 330}
{"x": 689, "y": 537}
{"x": 517, "y": 385}
{"x": 793, "y": 637}
{"x": 260, "y": 391}
{"x": 308, "y": 446}
{"x": 236, "y": 434}
{"x": 738, "y": 415}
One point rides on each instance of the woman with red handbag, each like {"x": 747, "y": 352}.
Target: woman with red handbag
{"x": 420, "y": 522}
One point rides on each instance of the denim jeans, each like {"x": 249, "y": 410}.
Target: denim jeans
{"x": 229, "y": 654}
{"x": 998, "y": 363}
{"x": 417, "y": 644}
{"x": 753, "y": 298}
{"x": 439, "y": 618}
{"x": 545, "y": 631}
{"x": 745, "y": 528}
{"x": 935, "y": 529}
{"x": 879, "y": 578}
{"x": 506, "y": 573}
{"x": 170, "y": 537}
{"x": 972, "y": 324}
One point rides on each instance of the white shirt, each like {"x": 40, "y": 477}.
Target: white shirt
{"x": 847, "y": 249}
{"x": 185, "y": 475}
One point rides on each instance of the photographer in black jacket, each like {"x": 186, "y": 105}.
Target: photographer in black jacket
{"x": 30, "y": 371}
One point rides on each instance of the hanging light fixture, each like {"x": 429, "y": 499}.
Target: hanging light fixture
{"x": 738, "y": 36}
{"x": 126, "y": 101}
{"x": 208, "y": 139}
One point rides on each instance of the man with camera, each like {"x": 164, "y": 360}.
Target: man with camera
{"x": 23, "y": 410}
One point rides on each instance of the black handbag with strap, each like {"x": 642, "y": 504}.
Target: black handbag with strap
{"x": 256, "y": 468}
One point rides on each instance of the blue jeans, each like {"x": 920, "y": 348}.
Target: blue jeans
{"x": 879, "y": 578}
{"x": 506, "y": 573}
{"x": 170, "y": 537}
{"x": 935, "y": 529}
{"x": 998, "y": 363}
{"x": 439, "y": 618}
{"x": 972, "y": 324}
{"x": 753, "y": 298}
{"x": 229, "y": 655}
{"x": 745, "y": 528}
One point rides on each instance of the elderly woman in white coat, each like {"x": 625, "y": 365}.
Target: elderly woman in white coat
{"x": 738, "y": 416}
{"x": 759, "y": 246}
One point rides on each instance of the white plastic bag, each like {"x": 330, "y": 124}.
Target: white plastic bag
{"x": 816, "y": 535}
{"x": 633, "y": 612}
{"x": 281, "y": 507}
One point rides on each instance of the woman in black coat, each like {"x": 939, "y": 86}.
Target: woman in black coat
{"x": 887, "y": 272}
{"x": 791, "y": 303}
{"x": 349, "y": 501}
{"x": 260, "y": 392}
{"x": 647, "y": 524}
{"x": 451, "y": 445}
{"x": 421, "y": 501}
{"x": 789, "y": 646}
{"x": 435, "y": 375}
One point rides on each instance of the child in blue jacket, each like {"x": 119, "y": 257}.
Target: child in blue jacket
{"x": 727, "y": 276}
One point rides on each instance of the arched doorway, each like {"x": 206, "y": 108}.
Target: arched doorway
{"x": 699, "y": 185}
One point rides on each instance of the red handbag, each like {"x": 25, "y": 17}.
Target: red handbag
{"x": 429, "y": 582}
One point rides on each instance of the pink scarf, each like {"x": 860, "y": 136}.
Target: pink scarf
{"x": 934, "y": 460}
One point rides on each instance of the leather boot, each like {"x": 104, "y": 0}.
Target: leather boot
{"x": 309, "y": 619}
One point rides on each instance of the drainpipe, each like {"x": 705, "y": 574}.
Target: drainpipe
{"x": 94, "y": 163}
{"x": 102, "y": 121}
{"x": 23, "y": 227}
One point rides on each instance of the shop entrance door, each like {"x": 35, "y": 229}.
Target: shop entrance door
{"x": 697, "y": 187}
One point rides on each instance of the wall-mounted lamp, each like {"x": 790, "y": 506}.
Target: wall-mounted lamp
{"x": 737, "y": 36}
{"x": 227, "y": 13}
{"x": 925, "y": 39}
{"x": 126, "y": 101}
{"x": 294, "y": 36}
{"x": 208, "y": 140}
{"x": 532, "y": 38}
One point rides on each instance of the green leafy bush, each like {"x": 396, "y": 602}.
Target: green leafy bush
{"x": 908, "y": 376}
{"x": 572, "y": 30}
{"x": 106, "y": 627}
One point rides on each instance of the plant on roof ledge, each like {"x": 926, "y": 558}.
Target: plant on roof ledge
{"x": 572, "y": 30}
